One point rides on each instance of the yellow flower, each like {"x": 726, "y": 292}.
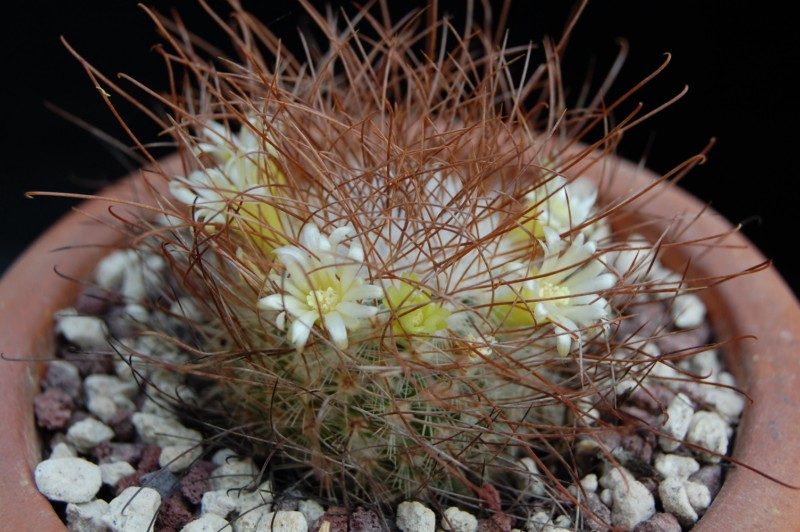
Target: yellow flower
{"x": 414, "y": 312}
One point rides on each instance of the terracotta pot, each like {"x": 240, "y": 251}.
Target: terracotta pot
{"x": 759, "y": 304}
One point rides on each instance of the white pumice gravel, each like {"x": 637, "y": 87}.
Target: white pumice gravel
{"x": 672, "y": 492}
{"x": 688, "y": 311}
{"x": 529, "y": 478}
{"x": 458, "y": 520}
{"x": 178, "y": 458}
{"x": 63, "y": 450}
{"x": 311, "y": 509}
{"x": 208, "y": 523}
{"x": 68, "y": 479}
{"x": 234, "y": 474}
{"x": 679, "y": 416}
{"x": 249, "y": 522}
{"x": 283, "y": 521}
{"x": 109, "y": 386}
{"x": 676, "y": 466}
{"x": 87, "y": 516}
{"x": 134, "y": 510}
{"x": 164, "y": 431}
{"x": 89, "y": 433}
{"x": 233, "y": 504}
{"x": 709, "y": 431}
{"x": 413, "y": 516}
{"x": 87, "y": 332}
{"x": 114, "y": 471}
{"x": 698, "y": 495}
{"x": 259, "y": 499}
{"x": 217, "y": 502}
{"x": 631, "y": 501}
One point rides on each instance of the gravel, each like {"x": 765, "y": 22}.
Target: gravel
{"x": 162, "y": 475}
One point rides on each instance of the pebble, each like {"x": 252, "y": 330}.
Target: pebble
{"x": 679, "y": 417}
{"x": 111, "y": 270}
{"x": 134, "y": 510}
{"x": 259, "y": 499}
{"x": 112, "y": 472}
{"x": 589, "y": 482}
{"x": 675, "y": 500}
{"x": 109, "y": 386}
{"x": 217, "y": 502}
{"x": 661, "y": 522}
{"x": 687, "y": 311}
{"x": 53, "y": 409}
{"x": 174, "y": 514}
{"x": 234, "y": 474}
{"x": 249, "y": 522}
{"x": 709, "y": 431}
{"x": 64, "y": 376}
{"x": 311, "y": 509}
{"x": 68, "y": 479}
{"x": 63, "y": 450}
{"x": 283, "y": 521}
{"x": 89, "y": 433}
{"x": 415, "y": 517}
{"x": 178, "y": 458}
{"x": 699, "y": 496}
{"x": 162, "y": 481}
{"x": 631, "y": 501}
{"x": 529, "y": 478}
{"x": 675, "y": 466}
{"x": 365, "y": 521}
{"x": 87, "y": 516}
{"x": 86, "y": 332}
{"x": 208, "y": 523}
{"x": 709, "y": 476}
{"x": 458, "y": 520}
{"x": 163, "y": 431}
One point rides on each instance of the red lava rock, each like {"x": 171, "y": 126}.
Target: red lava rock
{"x": 195, "y": 483}
{"x": 65, "y": 377}
{"x": 94, "y": 301}
{"x": 337, "y": 517}
{"x": 364, "y": 520}
{"x": 495, "y": 523}
{"x": 659, "y": 523}
{"x": 644, "y": 320}
{"x": 107, "y": 452}
{"x": 684, "y": 340}
{"x": 173, "y": 515}
{"x": 53, "y": 409}
{"x": 122, "y": 425}
{"x": 134, "y": 479}
{"x": 149, "y": 460}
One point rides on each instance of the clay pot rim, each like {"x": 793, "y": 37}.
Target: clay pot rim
{"x": 30, "y": 293}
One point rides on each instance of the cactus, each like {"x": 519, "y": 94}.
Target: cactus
{"x": 404, "y": 288}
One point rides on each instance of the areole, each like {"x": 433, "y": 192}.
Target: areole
{"x": 43, "y": 281}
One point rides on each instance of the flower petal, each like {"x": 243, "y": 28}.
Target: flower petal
{"x": 336, "y": 328}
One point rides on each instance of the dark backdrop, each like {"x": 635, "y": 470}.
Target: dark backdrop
{"x": 735, "y": 56}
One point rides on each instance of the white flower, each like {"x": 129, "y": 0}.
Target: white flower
{"x": 320, "y": 285}
{"x": 562, "y": 290}
{"x": 241, "y": 172}
{"x": 559, "y": 205}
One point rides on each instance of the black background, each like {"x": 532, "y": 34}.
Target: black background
{"x": 735, "y": 56}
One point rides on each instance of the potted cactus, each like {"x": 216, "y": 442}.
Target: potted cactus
{"x": 402, "y": 276}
